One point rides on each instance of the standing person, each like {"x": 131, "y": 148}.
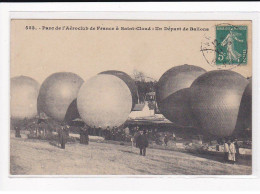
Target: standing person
{"x": 59, "y": 135}
{"x": 63, "y": 135}
{"x": 166, "y": 139}
{"x": 132, "y": 142}
{"x": 17, "y": 132}
{"x": 237, "y": 149}
{"x": 137, "y": 128}
{"x": 231, "y": 152}
{"x": 81, "y": 137}
{"x": 107, "y": 133}
{"x": 173, "y": 137}
{"x": 84, "y": 138}
{"x": 142, "y": 143}
{"x": 219, "y": 142}
{"x": 226, "y": 149}
{"x": 113, "y": 134}
{"x": 99, "y": 131}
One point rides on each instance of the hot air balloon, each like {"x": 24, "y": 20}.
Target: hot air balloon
{"x": 104, "y": 100}
{"x": 171, "y": 99}
{"x": 58, "y": 94}
{"x": 215, "y": 100}
{"x": 24, "y": 92}
{"x": 176, "y": 108}
{"x": 129, "y": 82}
{"x": 175, "y": 79}
{"x": 244, "y": 120}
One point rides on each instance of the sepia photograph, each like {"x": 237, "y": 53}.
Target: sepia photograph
{"x": 130, "y": 97}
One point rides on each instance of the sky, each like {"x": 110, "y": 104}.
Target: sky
{"x": 40, "y": 53}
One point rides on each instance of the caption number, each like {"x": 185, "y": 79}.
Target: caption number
{"x": 30, "y": 28}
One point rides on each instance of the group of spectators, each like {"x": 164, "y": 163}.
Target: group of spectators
{"x": 136, "y": 134}
{"x": 231, "y": 149}
{"x": 113, "y": 134}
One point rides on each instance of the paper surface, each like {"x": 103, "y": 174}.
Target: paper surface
{"x": 144, "y": 50}
{"x": 39, "y": 53}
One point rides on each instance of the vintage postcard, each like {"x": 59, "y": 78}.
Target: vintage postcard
{"x": 130, "y": 97}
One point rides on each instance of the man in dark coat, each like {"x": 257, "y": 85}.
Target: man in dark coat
{"x": 63, "y": 136}
{"x": 81, "y": 135}
{"x": 84, "y": 138}
{"x": 107, "y": 133}
{"x": 142, "y": 143}
{"x": 237, "y": 149}
{"x": 17, "y": 132}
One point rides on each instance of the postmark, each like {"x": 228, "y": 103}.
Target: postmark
{"x": 229, "y": 47}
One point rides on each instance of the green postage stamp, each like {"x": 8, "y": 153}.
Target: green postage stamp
{"x": 231, "y": 45}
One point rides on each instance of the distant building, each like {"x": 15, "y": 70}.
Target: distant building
{"x": 145, "y": 109}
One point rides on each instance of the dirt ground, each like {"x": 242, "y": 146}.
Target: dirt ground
{"x": 35, "y": 157}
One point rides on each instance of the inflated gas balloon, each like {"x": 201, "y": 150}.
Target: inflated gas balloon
{"x": 245, "y": 111}
{"x": 57, "y": 93}
{"x": 215, "y": 100}
{"x": 175, "y": 79}
{"x": 129, "y": 82}
{"x": 24, "y": 92}
{"x": 104, "y": 100}
{"x": 176, "y": 108}
{"x": 72, "y": 112}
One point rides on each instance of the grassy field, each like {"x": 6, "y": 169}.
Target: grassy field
{"x": 35, "y": 157}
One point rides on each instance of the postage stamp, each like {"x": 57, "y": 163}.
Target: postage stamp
{"x": 232, "y": 45}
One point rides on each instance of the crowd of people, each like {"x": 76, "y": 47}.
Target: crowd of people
{"x": 135, "y": 134}
{"x": 113, "y": 134}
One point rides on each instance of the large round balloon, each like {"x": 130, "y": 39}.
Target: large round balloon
{"x": 104, "y": 100}
{"x": 176, "y": 108}
{"x": 24, "y": 92}
{"x": 57, "y": 95}
{"x": 129, "y": 82}
{"x": 215, "y": 100}
{"x": 244, "y": 120}
{"x": 175, "y": 79}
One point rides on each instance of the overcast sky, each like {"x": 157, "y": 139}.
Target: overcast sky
{"x": 39, "y": 53}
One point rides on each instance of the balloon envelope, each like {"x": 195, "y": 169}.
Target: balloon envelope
{"x": 176, "y": 108}
{"x": 215, "y": 100}
{"x": 57, "y": 93}
{"x": 175, "y": 79}
{"x": 24, "y": 92}
{"x": 104, "y": 100}
{"x": 245, "y": 111}
{"x": 172, "y": 100}
{"x": 128, "y": 81}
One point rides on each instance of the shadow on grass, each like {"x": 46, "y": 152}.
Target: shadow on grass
{"x": 53, "y": 143}
{"x": 15, "y": 168}
{"x": 130, "y": 152}
{"x": 246, "y": 161}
